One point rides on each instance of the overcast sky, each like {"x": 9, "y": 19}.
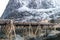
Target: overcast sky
{"x": 3, "y": 4}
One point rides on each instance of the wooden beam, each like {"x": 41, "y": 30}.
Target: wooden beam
{"x": 6, "y": 21}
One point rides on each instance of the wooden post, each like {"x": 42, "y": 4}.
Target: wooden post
{"x": 13, "y": 28}
{"x": 23, "y": 30}
{"x": 9, "y": 29}
{"x": 29, "y": 29}
{"x": 38, "y": 30}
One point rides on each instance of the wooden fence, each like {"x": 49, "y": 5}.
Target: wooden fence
{"x": 11, "y": 28}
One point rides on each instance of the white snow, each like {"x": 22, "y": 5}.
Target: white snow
{"x": 52, "y": 33}
{"x": 40, "y": 12}
{"x": 18, "y": 37}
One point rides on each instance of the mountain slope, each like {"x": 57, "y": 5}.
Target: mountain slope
{"x": 30, "y": 10}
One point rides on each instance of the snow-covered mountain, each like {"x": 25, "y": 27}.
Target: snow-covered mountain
{"x": 31, "y": 10}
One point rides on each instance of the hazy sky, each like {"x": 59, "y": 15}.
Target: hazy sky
{"x": 3, "y": 4}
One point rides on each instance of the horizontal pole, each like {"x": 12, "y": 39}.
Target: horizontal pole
{"x": 6, "y": 21}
